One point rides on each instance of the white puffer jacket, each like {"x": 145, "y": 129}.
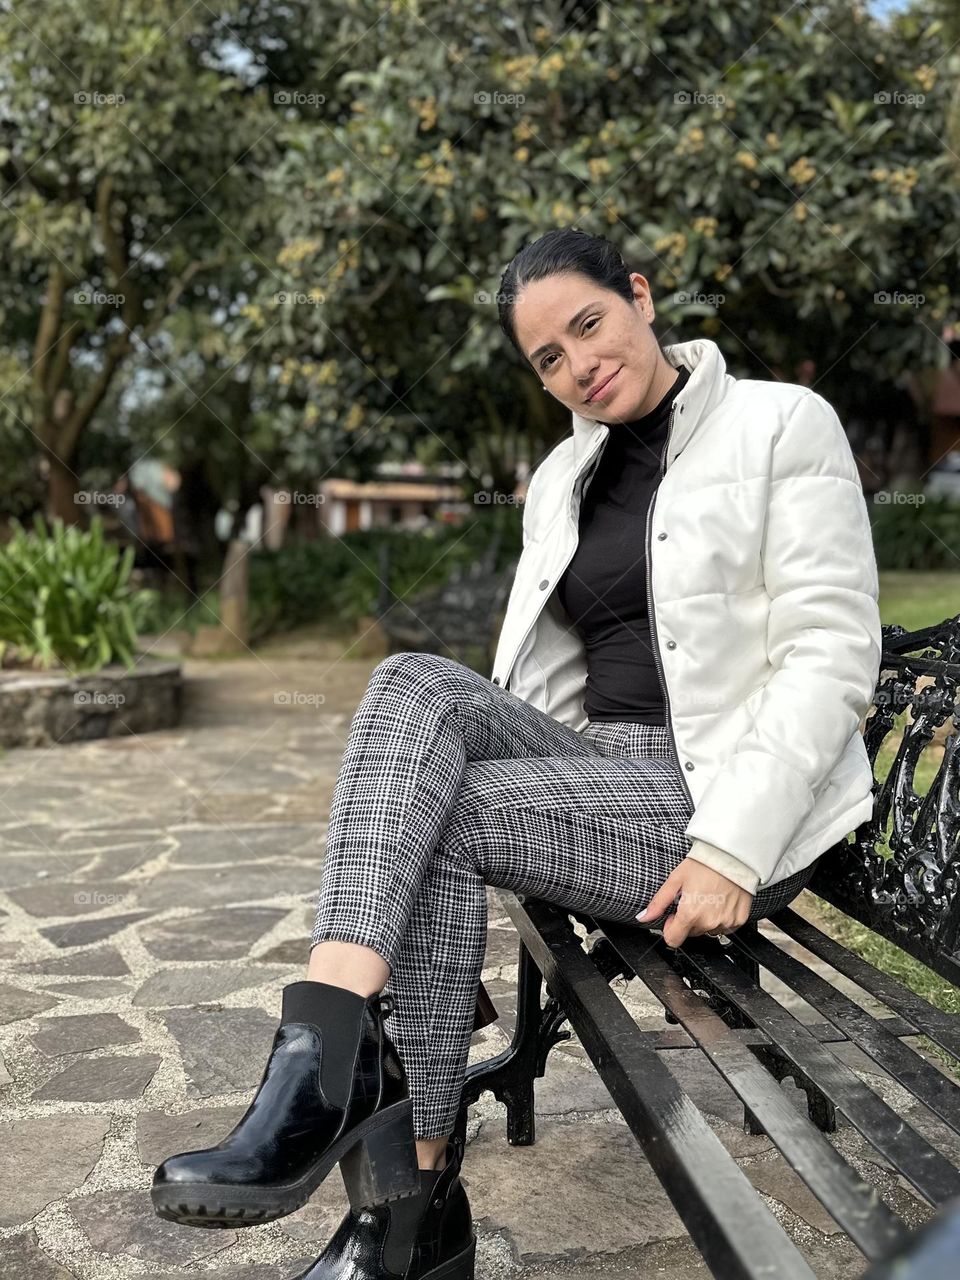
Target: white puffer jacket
{"x": 762, "y": 593}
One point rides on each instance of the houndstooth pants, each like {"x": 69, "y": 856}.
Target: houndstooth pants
{"x": 448, "y": 784}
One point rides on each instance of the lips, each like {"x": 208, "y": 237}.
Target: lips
{"x": 602, "y": 387}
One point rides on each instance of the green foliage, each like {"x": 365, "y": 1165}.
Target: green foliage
{"x": 65, "y": 597}
{"x": 337, "y": 580}
{"x": 922, "y": 535}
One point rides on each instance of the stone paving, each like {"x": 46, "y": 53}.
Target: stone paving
{"x": 155, "y": 896}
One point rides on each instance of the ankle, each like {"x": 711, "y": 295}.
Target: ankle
{"x": 432, "y": 1153}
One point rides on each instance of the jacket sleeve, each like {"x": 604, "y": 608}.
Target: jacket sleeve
{"x": 726, "y": 864}
{"x": 823, "y": 643}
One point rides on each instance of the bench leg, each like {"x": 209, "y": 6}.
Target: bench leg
{"x": 510, "y": 1075}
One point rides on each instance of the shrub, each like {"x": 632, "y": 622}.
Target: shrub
{"x": 65, "y": 597}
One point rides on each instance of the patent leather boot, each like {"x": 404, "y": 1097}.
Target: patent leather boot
{"x": 425, "y": 1237}
{"x": 333, "y": 1089}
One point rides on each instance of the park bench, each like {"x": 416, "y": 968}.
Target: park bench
{"x": 459, "y": 619}
{"x": 897, "y": 874}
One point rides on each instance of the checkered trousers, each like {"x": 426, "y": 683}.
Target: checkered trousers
{"x": 449, "y": 783}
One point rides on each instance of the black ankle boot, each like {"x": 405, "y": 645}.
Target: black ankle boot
{"x": 334, "y": 1088}
{"x": 425, "y": 1237}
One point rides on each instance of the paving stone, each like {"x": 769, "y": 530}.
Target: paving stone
{"x": 123, "y": 1223}
{"x": 24, "y": 871}
{"x": 223, "y": 886}
{"x": 27, "y": 835}
{"x": 223, "y": 1049}
{"x": 23, "y": 1259}
{"x": 567, "y": 1087}
{"x": 579, "y": 1190}
{"x": 776, "y": 1178}
{"x": 319, "y": 1218}
{"x": 43, "y": 1159}
{"x": 292, "y": 951}
{"x": 160, "y": 1135}
{"x": 503, "y": 947}
{"x": 101, "y": 839}
{"x": 80, "y": 1032}
{"x": 270, "y": 1271}
{"x": 95, "y": 989}
{"x": 5, "y": 1076}
{"x": 16, "y": 1003}
{"x": 195, "y": 986}
{"x": 80, "y": 933}
{"x": 73, "y": 898}
{"x": 101, "y": 962}
{"x": 106, "y": 1079}
{"x": 205, "y": 846}
{"x": 227, "y": 934}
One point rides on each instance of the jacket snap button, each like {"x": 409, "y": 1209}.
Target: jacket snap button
{"x": 544, "y": 584}
{"x": 661, "y": 536}
{"x": 496, "y": 679}
{"x": 671, "y": 644}
{"x": 688, "y": 765}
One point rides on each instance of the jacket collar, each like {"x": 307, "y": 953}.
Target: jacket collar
{"x": 706, "y": 387}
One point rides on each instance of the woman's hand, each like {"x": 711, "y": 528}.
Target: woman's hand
{"x": 709, "y": 903}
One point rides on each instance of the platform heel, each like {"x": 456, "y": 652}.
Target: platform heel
{"x": 382, "y": 1164}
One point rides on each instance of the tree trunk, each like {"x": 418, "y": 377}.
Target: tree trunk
{"x": 233, "y": 597}
{"x": 62, "y": 493}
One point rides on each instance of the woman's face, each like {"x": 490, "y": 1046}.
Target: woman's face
{"x": 576, "y": 334}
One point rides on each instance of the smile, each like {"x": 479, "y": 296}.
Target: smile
{"x": 600, "y": 392}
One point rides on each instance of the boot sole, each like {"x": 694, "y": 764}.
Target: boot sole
{"x": 378, "y": 1162}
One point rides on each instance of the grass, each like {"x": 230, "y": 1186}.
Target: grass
{"x": 913, "y": 600}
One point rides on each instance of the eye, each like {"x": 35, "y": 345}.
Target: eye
{"x": 594, "y": 320}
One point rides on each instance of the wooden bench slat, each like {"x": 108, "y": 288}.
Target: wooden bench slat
{"x": 854, "y": 1203}
{"x": 929, "y": 1086}
{"x": 920, "y": 1163}
{"x": 738, "y": 1236}
{"x": 942, "y": 1028}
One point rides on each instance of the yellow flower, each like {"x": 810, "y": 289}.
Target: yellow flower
{"x": 523, "y": 131}
{"x": 613, "y": 73}
{"x": 722, "y": 271}
{"x": 772, "y": 141}
{"x": 879, "y": 175}
{"x": 561, "y": 212}
{"x": 800, "y": 211}
{"x": 746, "y": 159}
{"x": 802, "y": 170}
{"x": 706, "y": 227}
{"x": 335, "y": 175}
{"x": 926, "y": 77}
{"x": 598, "y": 166}
{"x": 522, "y": 155}
{"x": 354, "y": 418}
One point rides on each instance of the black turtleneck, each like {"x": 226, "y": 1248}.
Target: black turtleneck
{"x": 604, "y": 588}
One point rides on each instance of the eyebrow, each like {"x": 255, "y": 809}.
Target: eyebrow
{"x": 571, "y": 325}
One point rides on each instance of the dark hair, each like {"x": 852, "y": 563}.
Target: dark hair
{"x": 561, "y": 250}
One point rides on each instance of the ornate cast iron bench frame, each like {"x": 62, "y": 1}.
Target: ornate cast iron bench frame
{"x": 711, "y": 993}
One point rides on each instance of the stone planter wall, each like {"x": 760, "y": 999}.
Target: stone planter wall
{"x": 38, "y": 709}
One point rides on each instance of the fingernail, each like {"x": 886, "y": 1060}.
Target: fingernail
{"x": 642, "y": 914}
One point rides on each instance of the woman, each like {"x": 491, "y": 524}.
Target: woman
{"x": 691, "y": 642}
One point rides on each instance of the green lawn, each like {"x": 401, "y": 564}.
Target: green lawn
{"x": 913, "y": 600}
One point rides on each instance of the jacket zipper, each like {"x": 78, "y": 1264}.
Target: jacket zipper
{"x": 650, "y": 612}
{"x": 584, "y": 467}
